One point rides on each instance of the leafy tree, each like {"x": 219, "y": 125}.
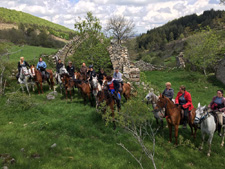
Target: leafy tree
{"x": 202, "y": 49}
{"x": 93, "y": 49}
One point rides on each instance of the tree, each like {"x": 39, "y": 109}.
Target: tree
{"x": 222, "y": 1}
{"x": 202, "y": 49}
{"x": 93, "y": 47}
{"x": 120, "y": 28}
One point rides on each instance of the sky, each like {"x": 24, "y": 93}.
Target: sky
{"x": 147, "y": 14}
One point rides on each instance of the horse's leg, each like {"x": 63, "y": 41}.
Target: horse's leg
{"x": 161, "y": 120}
{"x": 38, "y": 87}
{"x": 210, "y": 143}
{"x": 191, "y": 128}
{"x": 170, "y": 131}
{"x": 176, "y": 132}
{"x": 41, "y": 87}
{"x": 157, "y": 121}
{"x": 222, "y": 143}
{"x": 66, "y": 93}
{"x": 21, "y": 85}
{"x": 71, "y": 97}
{"x": 28, "y": 89}
{"x": 203, "y": 139}
{"x": 196, "y": 128}
{"x": 49, "y": 85}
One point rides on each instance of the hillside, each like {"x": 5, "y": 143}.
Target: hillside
{"x": 17, "y": 18}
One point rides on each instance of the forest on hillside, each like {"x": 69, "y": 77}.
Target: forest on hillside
{"x": 183, "y": 27}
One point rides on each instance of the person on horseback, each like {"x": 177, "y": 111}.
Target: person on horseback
{"x": 59, "y": 65}
{"x": 91, "y": 73}
{"x": 168, "y": 92}
{"x": 41, "y": 66}
{"x": 217, "y": 105}
{"x": 84, "y": 70}
{"x": 21, "y": 64}
{"x": 71, "y": 69}
{"x": 117, "y": 76}
{"x": 101, "y": 75}
{"x": 183, "y": 98}
{"x": 111, "y": 89}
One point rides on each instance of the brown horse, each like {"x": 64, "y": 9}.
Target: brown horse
{"x": 174, "y": 115}
{"x": 38, "y": 78}
{"x": 69, "y": 85}
{"x": 126, "y": 92}
{"x": 105, "y": 95}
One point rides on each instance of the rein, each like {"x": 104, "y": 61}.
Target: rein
{"x": 201, "y": 119}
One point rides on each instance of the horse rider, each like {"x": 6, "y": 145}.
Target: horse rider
{"x": 218, "y": 106}
{"x": 111, "y": 89}
{"x": 70, "y": 69}
{"x": 117, "y": 76}
{"x": 168, "y": 92}
{"x": 59, "y": 65}
{"x": 84, "y": 70}
{"x": 41, "y": 66}
{"x": 184, "y": 99}
{"x": 91, "y": 73}
{"x": 21, "y": 64}
{"x": 101, "y": 75}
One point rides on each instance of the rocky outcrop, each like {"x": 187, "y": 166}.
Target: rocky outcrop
{"x": 220, "y": 72}
{"x": 144, "y": 66}
{"x": 180, "y": 60}
{"x": 119, "y": 58}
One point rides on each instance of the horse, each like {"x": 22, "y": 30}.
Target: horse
{"x": 58, "y": 77}
{"x": 25, "y": 75}
{"x": 96, "y": 87}
{"x": 126, "y": 90}
{"x": 208, "y": 125}
{"x": 159, "y": 115}
{"x": 37, "y": 76}
{"x": 174, "y": 116}
{"x": 105, "y": 95}
{"x": 68, "y": 84}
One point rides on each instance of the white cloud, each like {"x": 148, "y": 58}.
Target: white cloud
{"x": 146, "y": 14}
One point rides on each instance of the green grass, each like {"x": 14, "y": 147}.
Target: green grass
{"x": 83, "y": 140}
{"x": 30, "y": 53}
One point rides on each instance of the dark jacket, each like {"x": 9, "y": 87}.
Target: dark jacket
{"x": 83, "y": 70}
{"x": 168, "y": 93}
{"x": 90, "y": 74}
{"x": 70, "y": 70}
{"x": 20, "y": 66}
{"x": 101, "y": 75}
{"x": 58, "y": 67}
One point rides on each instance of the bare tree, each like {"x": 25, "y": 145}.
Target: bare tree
{"x": 222, "y": 1}
{"x": 120, "y": 28}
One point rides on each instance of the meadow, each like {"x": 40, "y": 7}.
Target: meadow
{"x": 30, "y": 125}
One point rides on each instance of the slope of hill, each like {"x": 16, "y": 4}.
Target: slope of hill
{"x": 28, "y": 20}
{"x": 180, "y": 28}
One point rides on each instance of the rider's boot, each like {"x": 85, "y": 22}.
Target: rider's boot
{"x": 219, "y": 130}
{"x": 185, "y": 122}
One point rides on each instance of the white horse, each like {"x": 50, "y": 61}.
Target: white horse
{"x": 62, "y": 70}
{"x": 159, "y": 115}
{"x": 208, "y": 125}
{"x": 25, "y": 74}
{"x": 95, "y": 86}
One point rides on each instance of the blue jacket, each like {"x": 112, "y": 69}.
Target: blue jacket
{"x": 41, "y": 64}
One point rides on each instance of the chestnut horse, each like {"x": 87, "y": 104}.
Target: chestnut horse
{"x": 37, "y": 77}
{"x": 126, "y": 90}
{"x": 174, "y": 116}
{"x": 105, "y": 95}
{"x": 68, "y": 84}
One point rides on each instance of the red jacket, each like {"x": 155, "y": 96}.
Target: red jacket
{"x": 187, "y": 97}
{"x": 111, "y": 86}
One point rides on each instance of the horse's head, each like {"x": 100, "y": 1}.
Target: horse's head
{"x": 161, "y": 103}
{"x": 63, "y": 70}
{"x": 32, "y": 69}
{"x": 95, "y": 82}
{"x": 148, "y": 98}
{"x": 104, "y": 80}
{"x": 200, "y": 111}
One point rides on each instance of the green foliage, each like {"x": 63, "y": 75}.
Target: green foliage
{"x": 24, "y": 20}
{"x": 202, "y": 49}
{"x": 183, "y": 27}
{"x": 93, "y": 49}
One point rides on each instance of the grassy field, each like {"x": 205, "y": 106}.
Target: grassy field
{"x": 83, "y": 140}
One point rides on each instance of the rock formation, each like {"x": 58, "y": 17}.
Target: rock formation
{"x": 180, "y": 60}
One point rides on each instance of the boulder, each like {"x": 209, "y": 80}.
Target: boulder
{"x": 220, "y": 72}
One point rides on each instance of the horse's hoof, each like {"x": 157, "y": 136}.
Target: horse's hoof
{"x": 208, "y": 154}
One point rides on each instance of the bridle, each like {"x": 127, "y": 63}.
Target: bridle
{"x": 202, "y": 118}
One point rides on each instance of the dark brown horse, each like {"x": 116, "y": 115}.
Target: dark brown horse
{"x": 174, "y": 116}
{"x": 105, "y": 95}
{"x": 69, "y": 85}
{"x": 38, "y": 78}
